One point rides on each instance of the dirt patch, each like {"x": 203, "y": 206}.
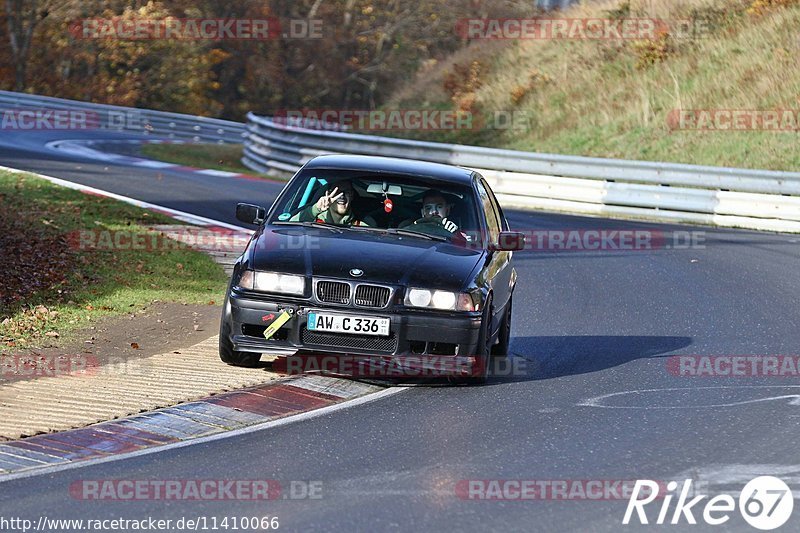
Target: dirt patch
{"x": 162, "y": 327}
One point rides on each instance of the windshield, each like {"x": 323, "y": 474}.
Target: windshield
{"x": 383, "y": 202}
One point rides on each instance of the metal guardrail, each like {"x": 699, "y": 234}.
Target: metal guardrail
{"x": 666, "y": 192}
{"x": 147, "y": 122}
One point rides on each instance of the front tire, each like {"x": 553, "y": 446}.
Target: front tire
{"x": 231, "y": 356}
{"x": 483, "y": 349}
{"x": 501, "y": 349}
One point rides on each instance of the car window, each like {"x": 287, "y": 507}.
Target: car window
{"x": 381, "y": 202}
{"x": 489, "y": 210}
{"x": 495, "y": 205}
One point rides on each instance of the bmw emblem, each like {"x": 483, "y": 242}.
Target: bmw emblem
{"x": 356, "y": 272}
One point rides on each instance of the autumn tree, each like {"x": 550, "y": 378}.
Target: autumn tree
{"x": 367, "y": 47}
{"x": 22, "y": 17}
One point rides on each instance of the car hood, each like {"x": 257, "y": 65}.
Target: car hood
{"x": 388, "y": 259}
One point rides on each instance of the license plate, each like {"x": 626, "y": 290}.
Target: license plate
{"x": 359, "y": 325}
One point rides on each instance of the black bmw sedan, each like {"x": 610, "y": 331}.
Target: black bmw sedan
{"x": 375, "y": 257}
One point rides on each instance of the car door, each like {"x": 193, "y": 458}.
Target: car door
{"x": 498, "y": 271}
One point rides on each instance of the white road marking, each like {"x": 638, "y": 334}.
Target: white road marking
{"x": 597, "y": 401}
{"x": 77, "y": 148}
{"x": 149, "y": 163}
{"x": 221, "y": 173}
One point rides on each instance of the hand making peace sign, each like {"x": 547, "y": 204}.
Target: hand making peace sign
{"x": 327, "y": 199}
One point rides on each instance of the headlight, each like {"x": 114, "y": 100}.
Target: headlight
{"x": 418, "y": 297}
{"x": 272, "y": 282}
{"x": 444, "y": 300}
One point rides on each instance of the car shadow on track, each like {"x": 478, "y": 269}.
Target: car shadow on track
{"x": 556, "y": 356}
{"x": 536, "y": 358}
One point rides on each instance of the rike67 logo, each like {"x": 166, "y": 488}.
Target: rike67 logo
{"x": 765, "y": 503}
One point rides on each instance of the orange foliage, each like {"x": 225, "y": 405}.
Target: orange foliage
{"x": 365, "y": 46}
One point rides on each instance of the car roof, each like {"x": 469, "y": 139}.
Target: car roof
{"x": 393, "y": 165}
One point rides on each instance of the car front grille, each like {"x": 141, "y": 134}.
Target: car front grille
{"x": 372, "y": 296}
{"x": 333, "y": 292}
{"x": 344, "y": 340}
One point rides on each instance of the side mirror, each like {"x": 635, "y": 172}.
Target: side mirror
{"x": 250, "y": 214}
{"x": 510, "y": 241}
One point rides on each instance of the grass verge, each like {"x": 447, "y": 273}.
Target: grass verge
{"x": 52, "y": 286}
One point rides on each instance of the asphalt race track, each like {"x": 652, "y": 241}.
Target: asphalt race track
{"x": 185, "y": 191}
{"x": 595, "y": 395}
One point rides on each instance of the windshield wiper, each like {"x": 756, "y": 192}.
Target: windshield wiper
{"x": 310, "y": 224}
{"x": 364, "y": 228}
{"x": 410, "y": 233}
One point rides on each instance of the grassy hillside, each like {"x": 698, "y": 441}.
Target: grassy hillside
{"x": 613, "y": 98}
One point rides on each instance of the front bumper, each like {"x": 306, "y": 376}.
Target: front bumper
{"x": 412, "y": 332}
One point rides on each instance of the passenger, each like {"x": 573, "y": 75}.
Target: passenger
{"x": 334, "y": 207}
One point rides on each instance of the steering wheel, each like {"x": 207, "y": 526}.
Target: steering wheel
{"x": 430, "y": 225}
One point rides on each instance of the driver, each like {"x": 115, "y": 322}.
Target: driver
{"x": 334, "y": 207}
{"x": 435, "y": 209}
